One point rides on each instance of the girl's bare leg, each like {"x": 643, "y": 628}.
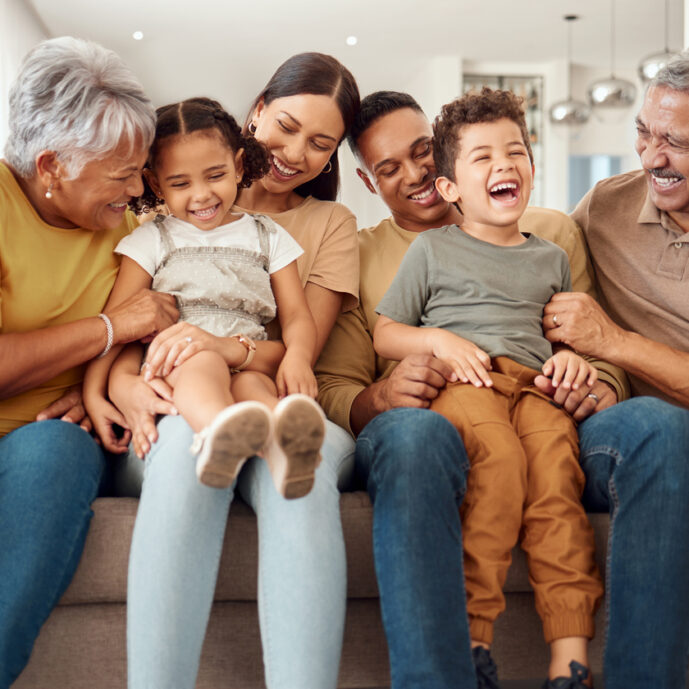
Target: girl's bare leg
{"x": 201, "y": 388}
{"x": 251, "y": 385}
{"x": 227, "y": 434}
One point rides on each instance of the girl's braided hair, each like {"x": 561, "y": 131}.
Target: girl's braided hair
{"x": 199, "y": 114}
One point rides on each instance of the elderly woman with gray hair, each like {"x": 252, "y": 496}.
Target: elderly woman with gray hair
{"x": 80, "y": 128}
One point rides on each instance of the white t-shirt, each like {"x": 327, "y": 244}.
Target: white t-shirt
{"x": 144, "y": 245}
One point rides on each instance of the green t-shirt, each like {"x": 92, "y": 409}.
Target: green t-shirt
{"x": 492, "y": 295}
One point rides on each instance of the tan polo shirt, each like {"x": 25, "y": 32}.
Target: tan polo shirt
{"x": 641, "y": 261}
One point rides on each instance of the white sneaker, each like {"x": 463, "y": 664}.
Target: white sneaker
{"x": 294, "y": 452}
{"x": 238, "y": 432}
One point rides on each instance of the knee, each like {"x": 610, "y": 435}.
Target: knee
{"x": 208, "y": 359}
{"x": 408, "y": 444}
{"x": 647, "y": 441}
{"x": 175, "y": 436}
{"x": 58, "y": 458}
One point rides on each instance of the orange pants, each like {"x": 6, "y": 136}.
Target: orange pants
{"x": 525, "y": 481}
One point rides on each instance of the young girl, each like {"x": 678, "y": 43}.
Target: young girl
{"x": 228, "y": 272}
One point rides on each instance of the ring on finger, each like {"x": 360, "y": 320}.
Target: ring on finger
{"x": 187, "y": 339}
{"x": 555, "y": 323}
{"x": 594, "y": 397}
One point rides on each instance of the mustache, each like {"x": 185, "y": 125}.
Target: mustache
{"x": 665, "y": 172}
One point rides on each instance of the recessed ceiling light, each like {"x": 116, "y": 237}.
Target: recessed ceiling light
{"x": 138, "y": 35}
{"x": 352, "y": 40}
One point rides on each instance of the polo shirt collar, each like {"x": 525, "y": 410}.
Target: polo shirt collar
{"x": 650, "y": 214}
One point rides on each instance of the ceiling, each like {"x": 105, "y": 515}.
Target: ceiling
{"x": 228, "y": 49}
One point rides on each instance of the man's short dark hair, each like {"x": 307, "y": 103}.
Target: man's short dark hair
{"x": 372, "y": 108}
{"x": 473, "y": 108}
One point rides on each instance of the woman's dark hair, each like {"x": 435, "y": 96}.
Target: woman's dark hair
{"x": 319, "y": 75}
{"x": 194, "y": 115}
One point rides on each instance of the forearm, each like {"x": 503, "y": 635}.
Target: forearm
{"x": 266, "y": 359}
{"x": 35, "y": 357}
{"x": 96, "y": 377}
{"x": 370, "y": 402}
{"x": 299, "y": 336}
{"x": 393, "y": 340}
{"x": 269, "y": 354}
{"x": 346, "y": 366}
{"x": 662, "y": 366}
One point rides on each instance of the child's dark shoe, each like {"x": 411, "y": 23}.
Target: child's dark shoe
{"x": 486, "y": 669}
{"x": 574, "y": 681}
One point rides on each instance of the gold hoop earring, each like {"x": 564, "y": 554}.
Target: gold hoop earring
{"x": 328, "y": 168}
{"x": 252, "y": 128}
{"x": 49, "y": 191}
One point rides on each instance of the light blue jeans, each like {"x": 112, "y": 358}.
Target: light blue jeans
{"x": 50, "y": 473}
{"x": 175, "y": 555}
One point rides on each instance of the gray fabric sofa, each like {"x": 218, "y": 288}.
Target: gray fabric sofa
{"x": 82, "y": 645}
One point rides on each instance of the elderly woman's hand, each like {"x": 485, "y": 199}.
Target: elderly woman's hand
{"x": 142, "y": 316}
{"x": 69, "y": 407}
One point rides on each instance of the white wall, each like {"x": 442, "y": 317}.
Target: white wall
{"x": 20, "y": 30}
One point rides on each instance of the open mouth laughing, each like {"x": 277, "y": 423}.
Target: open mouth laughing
{"x": 665, "y": 180}
{"x": 282, "y": 170}
{"x": 505, "y": 192}
{"x": 426, "y": 196}
{"x": 205, "y": 213}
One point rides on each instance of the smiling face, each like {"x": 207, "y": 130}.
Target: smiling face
{"x": 493, "y": 179}
{"x": 662, "y": 143}
{"x": 397, "y": 153}
{"x": 301, "y": 133}
{"x": 97, "y": 198}
{"x": 197, "y": 176}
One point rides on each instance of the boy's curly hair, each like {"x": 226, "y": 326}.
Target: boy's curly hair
{"x": 193, "y": 115}
{"x": 473, "y": 108}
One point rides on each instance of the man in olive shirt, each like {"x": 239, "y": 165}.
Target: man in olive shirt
{"x": 415, "y": 465}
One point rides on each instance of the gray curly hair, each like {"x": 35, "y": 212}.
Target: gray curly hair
{"x": 78, "y": 99}
{"x": 675, "y": 74}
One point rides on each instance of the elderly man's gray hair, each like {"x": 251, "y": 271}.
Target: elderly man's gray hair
{"x": 675, "y": 74}
{"x": 78, "y": 99}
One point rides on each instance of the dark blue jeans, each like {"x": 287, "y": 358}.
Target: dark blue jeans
{"x": 415, "y": 467}
{"x": 50, "y": 472}
{"x": 636, "y": 459}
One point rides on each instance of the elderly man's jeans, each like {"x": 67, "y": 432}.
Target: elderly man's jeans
{"x": 50, "y": 473}
{"x": 415, "y": 467}
{"x": 636, "y": 459}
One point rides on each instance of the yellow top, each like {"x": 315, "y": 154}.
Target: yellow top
{"x": 349, "y": 364}
{"x": 48, "y": 276}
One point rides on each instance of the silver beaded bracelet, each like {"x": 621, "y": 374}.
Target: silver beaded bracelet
{"x": 108, "y": 326}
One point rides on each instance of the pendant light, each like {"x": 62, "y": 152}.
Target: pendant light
{"x": 652, "y": 64}
{"x": 570, "y": 111}
{"x": 610, "y": 97}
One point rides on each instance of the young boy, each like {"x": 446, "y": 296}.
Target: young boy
{"x": 488, "y": 283}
